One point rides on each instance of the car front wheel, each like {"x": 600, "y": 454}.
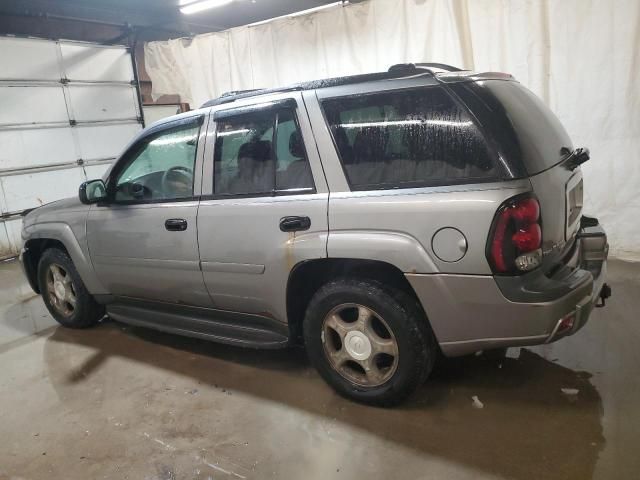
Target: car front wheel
{"x": 371, "y": 342}
{"x": 63, "y": 292}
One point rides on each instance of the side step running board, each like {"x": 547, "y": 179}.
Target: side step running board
{"x": 246, "y": 330}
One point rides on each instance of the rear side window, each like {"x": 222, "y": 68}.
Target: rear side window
{"x": 261, "y": 153}
{"x": 243, "y": 158}
{"x": 407, "y": 139}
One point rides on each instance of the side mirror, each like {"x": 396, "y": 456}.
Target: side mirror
{"x": 92, "y": 191}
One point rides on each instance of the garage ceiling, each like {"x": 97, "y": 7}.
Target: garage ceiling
{"x": 161, "y": 18}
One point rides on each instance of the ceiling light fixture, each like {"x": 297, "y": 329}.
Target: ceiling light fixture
{"x": 341, "y": 3}
{"x": 193, "y": 6}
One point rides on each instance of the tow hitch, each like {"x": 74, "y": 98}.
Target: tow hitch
{"x": 605, "y": 293}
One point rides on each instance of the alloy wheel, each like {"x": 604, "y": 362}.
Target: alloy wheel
{"x": 359, "y": 345}
{"x": 60, "y": 290}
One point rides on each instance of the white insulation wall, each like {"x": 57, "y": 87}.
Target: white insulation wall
{"x": 581, "y": 57}
{"x": 68, "y": 109}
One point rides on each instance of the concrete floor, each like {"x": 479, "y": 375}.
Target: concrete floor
{"x": 121, "y": 402}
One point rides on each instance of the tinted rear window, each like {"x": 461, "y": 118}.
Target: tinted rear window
{"x": 407, "y": 138}
{"x": 539, "y": 135}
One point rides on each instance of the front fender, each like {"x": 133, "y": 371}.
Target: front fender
{"x": 398, "y": 249}
{"x": 62, "y": 232}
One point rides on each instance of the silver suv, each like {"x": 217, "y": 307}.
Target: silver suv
{"x": 378, "y": 219}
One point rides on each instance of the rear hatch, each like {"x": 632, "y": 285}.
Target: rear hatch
{"x": 559, "y": 191}
{"x": 532, "y": 143}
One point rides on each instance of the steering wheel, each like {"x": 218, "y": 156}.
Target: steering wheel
{"x": 177, "y": 175}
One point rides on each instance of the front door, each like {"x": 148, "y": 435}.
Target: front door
{"x": 143, "y": 241}
{"x": 264, "y": 205}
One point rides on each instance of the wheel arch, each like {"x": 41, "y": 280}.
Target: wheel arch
{"x": 308, "y": 276}
{"x": 33, "y": 250}
{"x": 57, "y": 235}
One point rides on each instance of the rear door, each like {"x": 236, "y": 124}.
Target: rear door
{"x": 264, "y": 204}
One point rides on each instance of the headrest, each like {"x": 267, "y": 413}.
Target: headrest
{"x": 369, "y": 145}
{"x": 296, "y": 147}
{"x": 259, "y": 150}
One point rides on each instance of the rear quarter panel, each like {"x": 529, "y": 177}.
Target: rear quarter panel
{"x": 397, "y": 226}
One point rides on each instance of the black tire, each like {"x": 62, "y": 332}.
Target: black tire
{"x": 404, "y": 317}
{"x": 86, "y": 312}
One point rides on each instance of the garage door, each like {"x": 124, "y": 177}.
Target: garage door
{"x": 67, "y": 110}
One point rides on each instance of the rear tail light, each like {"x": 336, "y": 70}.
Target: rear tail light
{"x": 566, "y": 323}
{"x": 516, "y": 236}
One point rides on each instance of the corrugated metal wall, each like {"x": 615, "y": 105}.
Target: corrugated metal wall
{"x": 67, "y": 110}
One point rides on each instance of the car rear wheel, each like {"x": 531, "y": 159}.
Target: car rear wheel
{"x": 370, "y": 342}
{"x": 63, "y": 292}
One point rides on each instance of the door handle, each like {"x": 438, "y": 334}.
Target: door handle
{"x": 175, "y": 224}
{"x": 295, "y": 224}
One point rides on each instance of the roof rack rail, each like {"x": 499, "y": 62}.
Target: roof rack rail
{"x": 441, "y": 66}
{"x": 233, "y": 93}
{"x": 402, "y": 67}
{"x": 232, "y": 96}
{"x": 395, "y": 71}
{"x": 411, "y": 67}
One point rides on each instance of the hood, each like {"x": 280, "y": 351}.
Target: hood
{"x": 51, "y": 212}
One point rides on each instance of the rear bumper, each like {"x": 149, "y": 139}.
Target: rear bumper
{"x": 473, "y": 312}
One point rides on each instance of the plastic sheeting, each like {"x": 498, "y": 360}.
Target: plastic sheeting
{"x": 581, "y": 57}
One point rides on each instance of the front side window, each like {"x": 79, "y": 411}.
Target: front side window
{"x": 407, "y": 138}
{"x": 260, "y": 153}
{"x": 161, "y": 167}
